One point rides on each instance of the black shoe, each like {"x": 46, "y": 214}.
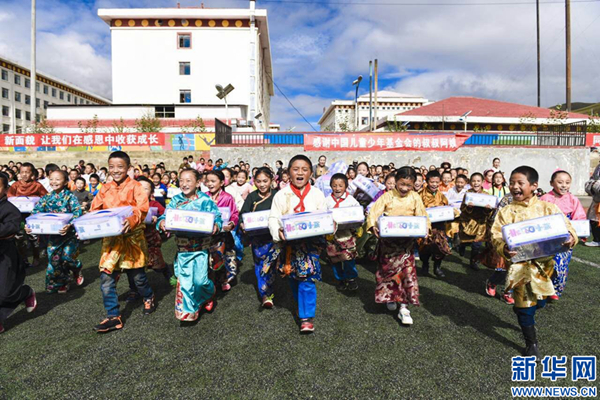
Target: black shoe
{"x": 341, "y": 286}
{"x": 461, "y": 250}
{"x": 109, "y": 324}
{"x": 531, "y": 343}
{"x": 149, "y": 306}
{"x": 166, "y": 272}
{"x": 437, "y": 269}
{"x": 474, "y": 265}
{"x": 351, "y": 285}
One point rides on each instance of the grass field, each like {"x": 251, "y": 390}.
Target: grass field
{"x": 459, "y": 347}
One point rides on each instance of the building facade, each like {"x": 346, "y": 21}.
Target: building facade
{"x": 340, "y": 114}
{"x": 15, "y": 83}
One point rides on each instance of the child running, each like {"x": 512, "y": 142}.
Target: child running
{"x": 194, "y": 288}
{"x": 127, "y": 252}
{"x": 341, "y": 249}
{"x": 572, "y": 208}
{"x": 299, "y": 261}
{"x": 531, "y": 280}
{"x": 396, "y": 278}
{"x": 264, "y": 251}
{"x": 62, "y": 249}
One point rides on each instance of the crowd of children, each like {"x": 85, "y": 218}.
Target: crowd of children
{"x": 205, "y": 264}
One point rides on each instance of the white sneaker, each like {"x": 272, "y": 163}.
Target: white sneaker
{"x": 405, "y": 317}
{"x": 392, "y": 306}
{"x": 592, "y": 244}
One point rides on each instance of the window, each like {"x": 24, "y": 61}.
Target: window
{"x": 75, "y": 98}
{"x": 87, "y": 102}
{"x": 45, "y": 89}
{"x": 61, "y": 95}
{"x": 185, "y": 96}
{"x": 38, "y": 119}
{"x": 184, "y": 40}
{"x": 37, "y": 86}
{"x": 37, "y": 103}
{"x": 27, "y": 83}
{"x": 5, "y": 111}
{"x": 27, "y": 99}
{"x": 18, "y": 97}
{"x": 184, "y": 68}
{"x": 4, "y": 75}
{"x": 18, "y": 113}
{"x": 45, "y": 105}
{"x": 69, "y": 97}
{"x": 164, "y": 112}
{"x": 27, "y": 116}
{"x": 5, "y": 128}
{"x": 19, "y": 129}
{"x": 53, "y": 92}
{"x": 5, "y": 93}
{"x": 364, "y": 120}
{"x": 17, "y": 79}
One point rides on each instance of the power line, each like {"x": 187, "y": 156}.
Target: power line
{"x": 289, "y": 101}
{"x": 396, "y": 4}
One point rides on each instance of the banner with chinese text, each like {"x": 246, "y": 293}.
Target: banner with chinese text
{"x": 380, "y": 142}
{"x": 592, "y": 140}
{"x": 82, "y": 139}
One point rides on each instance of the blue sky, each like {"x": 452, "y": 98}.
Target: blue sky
{"x": 319, "y": 49}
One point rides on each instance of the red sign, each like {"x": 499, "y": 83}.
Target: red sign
{"x": 82, "y": 139}
{"x": 592, "y": 140}
{"x": 379, "y": 142}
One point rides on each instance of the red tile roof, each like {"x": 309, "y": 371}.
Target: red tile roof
{"x": 457, "y": 106}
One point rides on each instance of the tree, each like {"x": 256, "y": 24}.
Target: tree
{"x": 148, "y": 123}
{"x": 395, "y": 126}
{"x": 90, "y": 126}
{"x": 118, "y": 127}
{"x": 195, "y": 126}
{"x": 40, "y": 127}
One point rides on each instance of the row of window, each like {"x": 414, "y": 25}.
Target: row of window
{"x": 18, "y": 98}
{"x": 18, "y": 113}
{"x": 46, "y": 88}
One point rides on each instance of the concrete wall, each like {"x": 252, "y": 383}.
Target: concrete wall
{"x": 546, "y": 161}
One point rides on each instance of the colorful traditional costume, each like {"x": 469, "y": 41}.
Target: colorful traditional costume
{"x": 572, "y": 208}
{"x": 156, "y": 260}
{"x": 299, "y": 259}
{"x": 194, "y": 288}
{"x": 472, "y": 229}
{"x": 396, "y": 278}
{"x": 62, "y": 250}
{"x": 129, "y": 251}
{"x": 264, "y": 251}
{"x": 341, "y": 247}
{"x": 222, "y": 251}
{"x": 436, "y": 245}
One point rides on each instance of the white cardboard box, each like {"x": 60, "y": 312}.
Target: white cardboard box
{"x": 309, "y": 224}
{"x": 225, "y": 214}
{"x": 102, "y": 223}
{"x": 47, "y": 223}
{"x": 481, "y": 199}
{"x": 440, "y": 214}
{"x": 582, "y": 227}
{"x": 536, "y": 238}
{"x": 402, "y": 227}
{"x": 370, "y": 188}
{"x": 24, "y": 204}
{"x": 256, "y": 223}
{"x": 152, "y": 212}
{"x": 191, "y": 221}
{"x": 348, "y": 217}
{"x": 172, "y": 192}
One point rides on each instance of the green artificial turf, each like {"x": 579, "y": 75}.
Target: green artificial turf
{"x": 460, "y": 345}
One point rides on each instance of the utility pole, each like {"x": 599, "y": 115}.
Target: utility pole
{"x": 568, "y": 47}
{"x": 32, "y": 74}
{"x": 376, "y": 105}
{"x": 537, "y": 20}
{"x": 370, "y": 96}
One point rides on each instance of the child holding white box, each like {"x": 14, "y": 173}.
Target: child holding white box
{"x": 530, "y": 280}
{"x": 264, "y": 251}
{"x": 62, "y": 249}
{"x": 299, "y": 261}
{"x": 127, "y": 252}
{"x": 341, "y": 247}
{"x": 396, "y": 277}
{"x": 194, "y": 288}
{"x": 572, "y": 208}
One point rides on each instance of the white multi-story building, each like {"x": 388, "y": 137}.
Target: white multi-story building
{"x": 168, "y": 62}
{"x": 15, "y": 83}
{"x": 340, "y": 114}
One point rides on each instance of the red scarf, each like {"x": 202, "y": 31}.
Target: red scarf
{"x": 300, "y": 207}
{"x": 338, "y": 201}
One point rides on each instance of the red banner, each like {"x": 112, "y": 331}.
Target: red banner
{"x": 592, "y": 140}
{"x": 82, "y": 139}
{"x": 380, "y": 142}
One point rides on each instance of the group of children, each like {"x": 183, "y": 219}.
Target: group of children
{"x": 205, "y": 264}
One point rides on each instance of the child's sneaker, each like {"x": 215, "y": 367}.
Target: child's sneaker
{"x": 209, "y": 306}
{"x": 392, "y": 306}
{"x": 307, "y": 326}
{"x": 132, "y": 296}
{"x": 351, "y": 285}
{"x": 554, "y": 297}
{"x": 31, "y": 302}
{"x": 267, "y": 302}
{"x": 36, "y": 262}
{"x": 78, "y": 278}
{"x": 508, "y": 299}
{"x": 173, "y": 280}
{"x": 63, "y": 289}
{"x": 490, "y": 289}
{"x": 417, "y": 255}
{"x": 149, "y": 306}
{"x": 341, "y": 286}
{"x": 404, "y": 316}
{"x": 226, "y": 287}
{"x": 109, "y": 324}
